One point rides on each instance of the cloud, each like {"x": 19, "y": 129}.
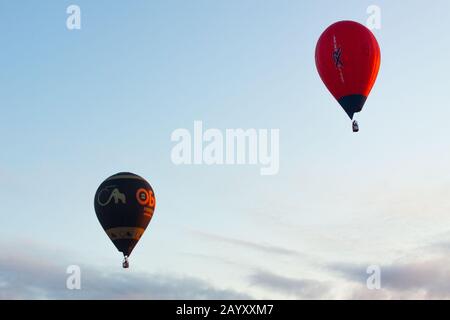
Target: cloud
{"x": 296, "y": 288}
{"x": 28, "y": 277}
{"x": 416, "y": 279}
{"x": 41, "y": 274}
{"x": 262, "y": 247}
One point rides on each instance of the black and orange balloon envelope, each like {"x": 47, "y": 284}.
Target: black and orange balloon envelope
{"x": 348, "y": 59}
{"x": 124, "y": 204}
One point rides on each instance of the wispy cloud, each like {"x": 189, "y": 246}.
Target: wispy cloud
{"x": 262, "y": 247}
{"x": 288, "y": 286}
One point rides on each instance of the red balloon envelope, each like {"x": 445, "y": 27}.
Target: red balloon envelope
{"x": 348, "y": 60}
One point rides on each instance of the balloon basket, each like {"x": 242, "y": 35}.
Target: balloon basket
{"x": 355, "y": 126}
{"x": 125, "y": 263}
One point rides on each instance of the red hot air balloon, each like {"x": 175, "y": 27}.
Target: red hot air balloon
{"x": 124, "y": 204}
{"x": 348, "y": 60}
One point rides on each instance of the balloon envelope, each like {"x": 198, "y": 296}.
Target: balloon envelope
{"x": 124, "y": 204}
{"x": 348, "y": 59}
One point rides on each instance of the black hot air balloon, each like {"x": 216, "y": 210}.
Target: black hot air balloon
{"x": 124, "y": 204}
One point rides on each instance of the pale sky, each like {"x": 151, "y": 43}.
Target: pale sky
{"x": 78, "y": 106}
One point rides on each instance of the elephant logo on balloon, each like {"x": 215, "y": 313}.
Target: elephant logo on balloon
{"x": 114, "y": 194}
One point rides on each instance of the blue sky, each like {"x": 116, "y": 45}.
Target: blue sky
{"x": 78, "y": 106}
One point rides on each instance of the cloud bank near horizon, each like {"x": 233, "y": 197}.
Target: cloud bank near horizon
{"x": 37, "y": 275}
